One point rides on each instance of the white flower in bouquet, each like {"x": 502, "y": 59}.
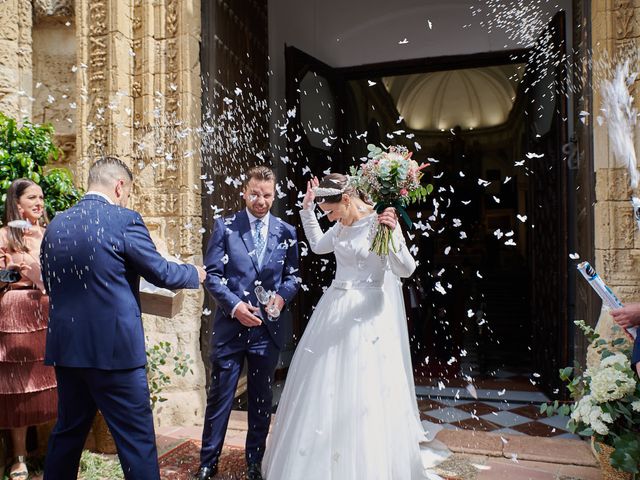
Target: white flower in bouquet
{"x": 606, "y": 401}
{"x": 610, "y": 383}
{"x": 591, "y": 414}
{"x": 616, "y": 359}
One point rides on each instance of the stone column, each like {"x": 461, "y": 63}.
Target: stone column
{"x": 166, "y": 91}
{"x": 617, "y": 240}
{"x": 15, "y": 58}
{"x": 139, "y": 82}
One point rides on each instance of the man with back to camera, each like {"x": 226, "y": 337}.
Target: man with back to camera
{"x": 248, "y": 249}
{"x": 93, "y": 256}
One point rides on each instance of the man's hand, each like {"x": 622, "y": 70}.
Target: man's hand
{"x": 202, "y": 273}
{"x": 245, "y": 315}
{"x": 276, "y": 300}
{"x": 627, "y": 316}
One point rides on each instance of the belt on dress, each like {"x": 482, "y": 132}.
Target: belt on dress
{"x": 356, "y": 284}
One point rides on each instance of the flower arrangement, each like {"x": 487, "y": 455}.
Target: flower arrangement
{"x": 390, "y": 178}
{"x": 607, "y": 403}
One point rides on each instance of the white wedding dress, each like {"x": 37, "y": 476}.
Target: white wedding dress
{"x": 348, "y": 410}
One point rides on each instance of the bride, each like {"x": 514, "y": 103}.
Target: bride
{"x": 348, "y": 410}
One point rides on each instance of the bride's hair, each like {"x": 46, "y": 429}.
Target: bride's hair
{"x": 338, "y": 181}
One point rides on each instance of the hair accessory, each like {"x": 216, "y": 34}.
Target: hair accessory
{"x": 327, "y": 192}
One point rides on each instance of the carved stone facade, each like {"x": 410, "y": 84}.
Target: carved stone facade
{"x": 615, "y": 33}
{"x": 140, "y": 81}
{"x": 122, "y": 77}
{"x": 54, "y": 67}
{"x": 52, "y": 9}
{"x": 15, "y": 58}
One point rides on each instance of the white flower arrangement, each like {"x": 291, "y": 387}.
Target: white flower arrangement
{"x": 607, "y": 401}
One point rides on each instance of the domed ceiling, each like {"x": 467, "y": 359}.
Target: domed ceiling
{"x": 471, "y": 98}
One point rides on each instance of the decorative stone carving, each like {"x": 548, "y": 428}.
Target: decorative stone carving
{"x": 624, "y": 13}
{"x": 15, "y": 58}
{"x": 44, "y": 9}
{"x": 132, "y": 59}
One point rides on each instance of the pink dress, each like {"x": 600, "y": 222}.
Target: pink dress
{"x": 27, "y": 387}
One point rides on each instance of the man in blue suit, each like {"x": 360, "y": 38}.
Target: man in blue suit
{"x": 248, "y": 249}
{"x": 93, "y": 256}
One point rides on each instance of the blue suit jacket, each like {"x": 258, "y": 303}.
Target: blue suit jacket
{"x": 233, "y": 270}
{"x": 92, "y": 256}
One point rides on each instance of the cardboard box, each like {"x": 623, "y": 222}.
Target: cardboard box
{"x": 162, "y": 305}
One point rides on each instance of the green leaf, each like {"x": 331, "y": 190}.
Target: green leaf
{"x": 565, "y": 373}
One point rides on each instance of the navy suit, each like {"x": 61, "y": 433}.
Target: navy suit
{"x": 233, "y": 271}
{"x": 92, "y": 256}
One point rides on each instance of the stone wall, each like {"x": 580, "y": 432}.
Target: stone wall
{"x": 54, "y": 66}
{"x": 617, "y": 241}
{"x": 124, "y": 78}
{"x": 15, "y": 58}
{"x": 143, "y": 85}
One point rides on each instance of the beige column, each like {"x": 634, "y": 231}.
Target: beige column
{"x": 139, "y": 80}
{"x": 15, "y": 58}
{"x": 615, "y": 32}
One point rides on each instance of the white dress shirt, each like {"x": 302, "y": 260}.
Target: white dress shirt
{"x": 264, "y": 231}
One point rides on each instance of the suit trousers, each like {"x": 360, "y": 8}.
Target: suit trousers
{"x": 123, "y": 398}
{"x": 258, "y": 348}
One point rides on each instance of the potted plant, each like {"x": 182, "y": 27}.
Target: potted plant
{"x": 607, "y": 405}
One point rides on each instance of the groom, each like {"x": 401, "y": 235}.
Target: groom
{"x": 250, "y": 248}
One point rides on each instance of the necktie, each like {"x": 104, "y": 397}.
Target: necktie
{"x": 258, "y": 239}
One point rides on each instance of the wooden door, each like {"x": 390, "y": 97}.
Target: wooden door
{"x": 545, "y": 137}
{"x": 315, "y": 94}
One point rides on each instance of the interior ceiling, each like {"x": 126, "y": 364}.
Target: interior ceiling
{"x": 471, "y": 98}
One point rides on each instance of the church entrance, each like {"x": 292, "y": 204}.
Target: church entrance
{"x": 492, "y": 303}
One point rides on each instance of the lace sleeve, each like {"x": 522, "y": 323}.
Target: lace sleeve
{"x": 320, "y": 242}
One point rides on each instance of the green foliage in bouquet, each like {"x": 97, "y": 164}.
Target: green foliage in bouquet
{"x": 607, "y": 401}
{"x": 24, "y": 153}
{"x": 158, "y": 355}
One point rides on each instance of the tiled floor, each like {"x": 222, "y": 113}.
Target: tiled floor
{"x": 504, "y": 403}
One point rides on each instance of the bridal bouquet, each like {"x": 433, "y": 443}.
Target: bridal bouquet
{"x": 390, "y": 178}
{"x": 607, "y": 405}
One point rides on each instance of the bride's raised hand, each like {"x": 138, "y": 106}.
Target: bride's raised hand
{"x": 310, "y": 196}
{"x": 389, "y": 217}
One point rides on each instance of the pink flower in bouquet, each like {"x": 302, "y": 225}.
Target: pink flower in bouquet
{"x": 404, "y": 192}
